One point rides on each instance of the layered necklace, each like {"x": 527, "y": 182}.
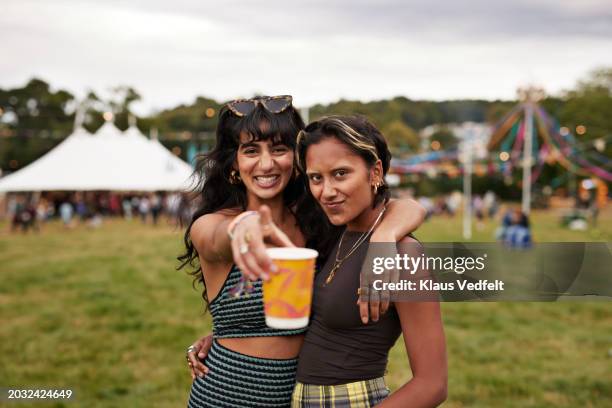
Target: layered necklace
{"x": 338, "y": 262}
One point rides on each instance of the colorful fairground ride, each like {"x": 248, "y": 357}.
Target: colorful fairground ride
{"x": 525, "y": 140}
{"x": 528, "y": 137}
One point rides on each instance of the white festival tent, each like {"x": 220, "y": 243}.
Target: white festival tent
{"x": 108, "y": 160}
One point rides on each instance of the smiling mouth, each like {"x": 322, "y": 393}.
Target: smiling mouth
{"x": 266, "y": 181}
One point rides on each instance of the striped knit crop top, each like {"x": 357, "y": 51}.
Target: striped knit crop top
{"x": 242, "y": 316}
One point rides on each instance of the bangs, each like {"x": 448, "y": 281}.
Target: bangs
{"x": 261, "y": 125}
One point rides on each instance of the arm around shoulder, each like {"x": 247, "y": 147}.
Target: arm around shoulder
{"x": 403, "y": 217}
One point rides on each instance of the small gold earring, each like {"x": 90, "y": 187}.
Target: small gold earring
{"x": 234, "y": 177}
{"x": 375, "y": 188}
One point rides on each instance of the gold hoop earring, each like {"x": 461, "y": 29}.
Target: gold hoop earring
{"x": 375, "y": 188}
{"x": 234, "y": 177}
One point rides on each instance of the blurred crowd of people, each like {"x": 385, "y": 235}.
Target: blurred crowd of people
{"x": 29, "y": 211}
{"x": 483, "y": 206}
{"x": 514, "y": 231}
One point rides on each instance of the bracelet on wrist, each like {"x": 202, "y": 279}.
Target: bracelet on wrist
{"x": 232, "y": 225}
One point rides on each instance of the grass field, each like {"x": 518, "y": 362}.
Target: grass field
{"x": 106, "y": 314}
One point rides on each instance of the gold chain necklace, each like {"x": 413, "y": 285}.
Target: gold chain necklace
{"x": 362, "y": 238}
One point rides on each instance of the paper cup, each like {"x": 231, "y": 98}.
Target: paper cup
{"x": 288, "y": 292}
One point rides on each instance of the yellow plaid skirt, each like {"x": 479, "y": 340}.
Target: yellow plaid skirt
{"x": 359, "y": 394}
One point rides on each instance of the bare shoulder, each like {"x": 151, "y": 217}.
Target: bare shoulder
{"x": 203, "y": 229}
{"x": 230, "y": 212}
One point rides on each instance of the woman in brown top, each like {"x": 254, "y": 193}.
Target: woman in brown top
{"x": 343, "y": 361}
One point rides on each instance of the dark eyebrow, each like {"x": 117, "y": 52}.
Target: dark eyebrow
{"x": 248, "y": 144}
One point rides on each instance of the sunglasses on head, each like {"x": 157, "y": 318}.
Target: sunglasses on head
{"x": 273, "y": 104}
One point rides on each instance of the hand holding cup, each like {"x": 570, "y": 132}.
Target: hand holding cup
{"x": 249, "y": 237}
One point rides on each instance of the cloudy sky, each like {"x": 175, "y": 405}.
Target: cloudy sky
{"x": 319, "y": 51}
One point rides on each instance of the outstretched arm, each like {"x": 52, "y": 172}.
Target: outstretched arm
{"x": 209, "y": 236}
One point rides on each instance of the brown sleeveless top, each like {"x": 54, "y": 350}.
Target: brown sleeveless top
{"x": 338, "y": 347}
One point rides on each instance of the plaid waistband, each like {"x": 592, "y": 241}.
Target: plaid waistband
{"x": 359, "y": 394}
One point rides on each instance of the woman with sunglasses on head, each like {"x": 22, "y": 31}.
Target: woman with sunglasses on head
{"x": 342, "y": 361}
{"x": 252, "y": 168}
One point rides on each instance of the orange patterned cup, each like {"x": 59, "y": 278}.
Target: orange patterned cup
{"x": 288, "y": 292}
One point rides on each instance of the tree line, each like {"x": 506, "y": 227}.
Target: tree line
{"x": 35, "y": 117}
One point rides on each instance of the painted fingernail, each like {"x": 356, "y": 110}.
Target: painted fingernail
{"x": 265, "y": 276}
{"x": 364, "y": 320}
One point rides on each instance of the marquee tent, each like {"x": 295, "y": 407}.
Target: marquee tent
{"x": 107, "y": 160}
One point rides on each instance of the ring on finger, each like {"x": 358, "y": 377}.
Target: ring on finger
{"x": 244, "y": 248}
{"x": 247, "y": 237}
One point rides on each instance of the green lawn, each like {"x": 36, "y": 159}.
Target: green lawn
{"x": 105, "y": 313}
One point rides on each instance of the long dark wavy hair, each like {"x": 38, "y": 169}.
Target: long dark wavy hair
{"x": 212, "y": 189}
